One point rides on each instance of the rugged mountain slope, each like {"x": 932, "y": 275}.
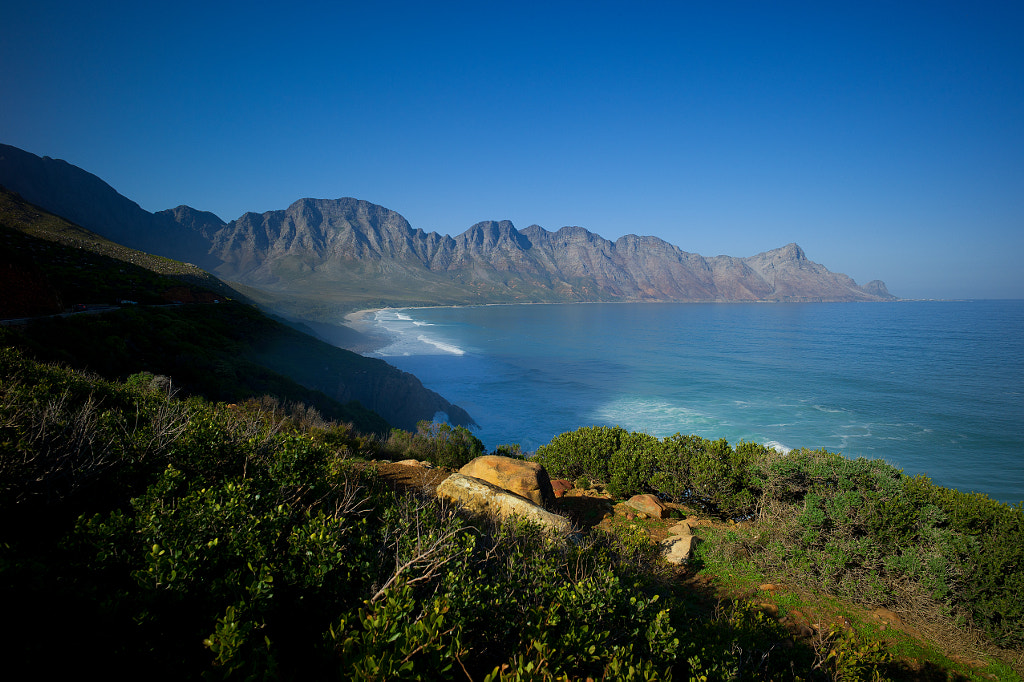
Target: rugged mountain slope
{"x": 202, "y": 222}
{"x": 226, "y": 352}
{"x": 86, "y": 200}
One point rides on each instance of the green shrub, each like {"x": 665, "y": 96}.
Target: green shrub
{"x": 632, "y": 465}
{"x": 583, "y": 452}
{"x": 987, "y": 556}
{"x": 437, "y": 443}
{"x": 397, "y": 638}
{"x": 511, "y": 450}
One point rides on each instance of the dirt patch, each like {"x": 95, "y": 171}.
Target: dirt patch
{"x": 411, "y": 478}
{"x": 585, "y": 512}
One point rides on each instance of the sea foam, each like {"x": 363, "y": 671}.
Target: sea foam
{"x": 441, "y": 345}
{"x": 777, "y": 447}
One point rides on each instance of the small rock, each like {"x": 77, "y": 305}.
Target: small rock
{"x": 422, "y": 464}
{"x": 768, "y": 587}
{"x": 680, "y": 529}
{"x": 560, "y": 487}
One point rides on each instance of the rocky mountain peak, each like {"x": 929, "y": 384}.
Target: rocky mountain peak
{"x": 490, "y": 234}
{"x": 203, "y": 222}
{"x": 789, "y": 252}
{"x": 878, "y": 288}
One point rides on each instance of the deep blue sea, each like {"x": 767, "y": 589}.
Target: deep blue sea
{"x": 931, "y": 387}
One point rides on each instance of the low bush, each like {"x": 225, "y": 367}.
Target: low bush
{"x": 681, "y": 468}
{"x": 436, "y": 442}
{"x": 859, "y": 528}
{"x": 865, "y": 530}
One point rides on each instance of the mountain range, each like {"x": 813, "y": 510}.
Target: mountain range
{"x": 321, "y": 256}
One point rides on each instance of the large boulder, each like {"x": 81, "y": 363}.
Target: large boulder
{"x": 522, "y": 477}
{"x": 648, "y": 504}
{"x": 678, "y": 549}
{"x": 480, "y": 497}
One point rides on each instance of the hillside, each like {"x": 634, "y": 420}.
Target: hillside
{"x": 224, "y": 349}
{"x": 91, "y": 268}
{"x": 84, "y": 199}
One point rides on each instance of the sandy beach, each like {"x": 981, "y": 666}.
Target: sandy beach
{"x": 356, "y": 332}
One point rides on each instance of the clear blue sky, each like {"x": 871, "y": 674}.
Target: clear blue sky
{"x": 887, "y": 139}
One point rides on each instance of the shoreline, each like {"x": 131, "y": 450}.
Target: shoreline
{"x": 371, "y": 339}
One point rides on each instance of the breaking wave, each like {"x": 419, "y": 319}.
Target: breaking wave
{"x": 441, "y": 345}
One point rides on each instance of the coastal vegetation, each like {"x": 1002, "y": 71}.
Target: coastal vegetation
{"x": 856, "y": 528}
{"x": 147, "y": 533}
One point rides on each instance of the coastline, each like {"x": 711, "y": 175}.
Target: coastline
{"x": 368, "y": 339}
{"x": 363, "y": 337}
{"x": 353, "y": 333}
{"x": 371, "y": 338}
{"x": 531, "y": 377}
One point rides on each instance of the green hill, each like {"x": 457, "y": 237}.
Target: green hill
{"x": 184, "y": 323}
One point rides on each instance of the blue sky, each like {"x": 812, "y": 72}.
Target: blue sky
{"x": 887, "y": 139}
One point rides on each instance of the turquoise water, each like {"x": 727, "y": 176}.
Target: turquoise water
{"x": 931, "y": 387}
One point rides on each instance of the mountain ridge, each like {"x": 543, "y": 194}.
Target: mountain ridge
{"x": 87, "y": 200}
{"x": 319, "y": 257}
{"x": 314, "y": 239}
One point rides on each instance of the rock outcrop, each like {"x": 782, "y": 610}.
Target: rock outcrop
{"x": 480, "y": 497}
{"x": 678, "y": 546}
{"x": 522, "y": 477}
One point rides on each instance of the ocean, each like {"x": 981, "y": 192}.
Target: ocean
{"x": 932, "y": 387}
